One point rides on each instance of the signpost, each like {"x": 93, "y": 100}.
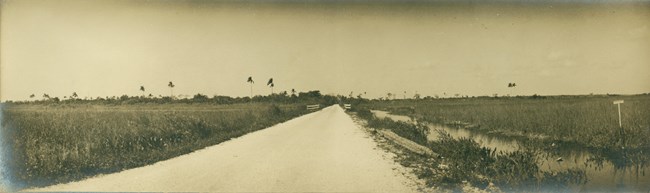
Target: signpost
{"x": 618, "y": 102}
{"x": 620, "y": 124}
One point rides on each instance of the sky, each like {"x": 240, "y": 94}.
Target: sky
{"x": 111, "y": 48}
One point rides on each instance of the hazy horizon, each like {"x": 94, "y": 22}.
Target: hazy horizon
{"x": 111, "y": 48}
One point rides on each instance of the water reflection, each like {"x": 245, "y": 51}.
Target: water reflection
{"x": 602, "y": 175}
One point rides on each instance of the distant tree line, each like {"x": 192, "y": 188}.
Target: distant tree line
{"x": 283, "y": 97}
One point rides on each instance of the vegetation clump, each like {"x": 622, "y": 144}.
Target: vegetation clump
{"x": 466, "y": 161}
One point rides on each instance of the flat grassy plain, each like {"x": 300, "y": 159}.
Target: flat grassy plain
{"x": 61, "y": 143}
{"x": 588, "y": 121}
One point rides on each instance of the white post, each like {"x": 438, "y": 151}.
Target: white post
{"x": 618, "y": 102}
{"x": 620, "y": 124}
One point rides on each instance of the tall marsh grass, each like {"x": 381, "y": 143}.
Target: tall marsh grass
{"x": 54, "y": 144}
{"x": 589, "y": 121}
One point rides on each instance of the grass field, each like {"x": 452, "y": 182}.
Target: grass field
{"x": 61, "y": 143}
{"x": 585, "y": 123}
{"x": 589, "y": 121}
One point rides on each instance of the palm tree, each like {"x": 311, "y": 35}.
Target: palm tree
{"x": 74, "y": 95}
{"x": 293, "y": 92}
{"x": 32, "y": 96}
{"x": 270, "y": 84}
{"x": 250, "y": 80}
{"x": 47, "y": 96}
{"x": 142, "y": 89}
{"x": 171, "y": 88}
{"x": 512, "y": 85}
{"x": 389, "y": 95}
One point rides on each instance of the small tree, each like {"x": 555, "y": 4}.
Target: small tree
{"x": 74, "y": 95}
{"x": 200, "y": 98}
{"x": 142, "y": 89}
{"x": 270, "y": 84}
{"x": 171, "y": 88}
{"x": 251, "y": 82}
{"x": 512, "y": 85}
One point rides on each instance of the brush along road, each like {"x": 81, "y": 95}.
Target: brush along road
{"x": 323, "y": 151}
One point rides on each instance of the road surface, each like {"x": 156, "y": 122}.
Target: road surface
{"x": 323, "y": 151}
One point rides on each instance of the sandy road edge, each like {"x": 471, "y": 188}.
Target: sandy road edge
{"x": 400, "y": 155}
{"x": 413, "y": 159}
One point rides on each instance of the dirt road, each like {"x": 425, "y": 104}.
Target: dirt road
{"x": 320, "y": 152}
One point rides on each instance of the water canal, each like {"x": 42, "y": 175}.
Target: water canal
{"x": 602, "y": 176}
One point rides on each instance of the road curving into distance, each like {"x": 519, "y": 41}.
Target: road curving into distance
{"x": 324, "y": 151}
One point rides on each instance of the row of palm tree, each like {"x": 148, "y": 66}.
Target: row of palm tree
{"x": 47, "y": 96}
{"x": 170, "y": 85}
{"x": 251, "y": 82}
{"x": 269, "y": 83}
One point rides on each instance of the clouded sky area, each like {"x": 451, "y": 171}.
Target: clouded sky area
{"x": 107, "y": 48}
